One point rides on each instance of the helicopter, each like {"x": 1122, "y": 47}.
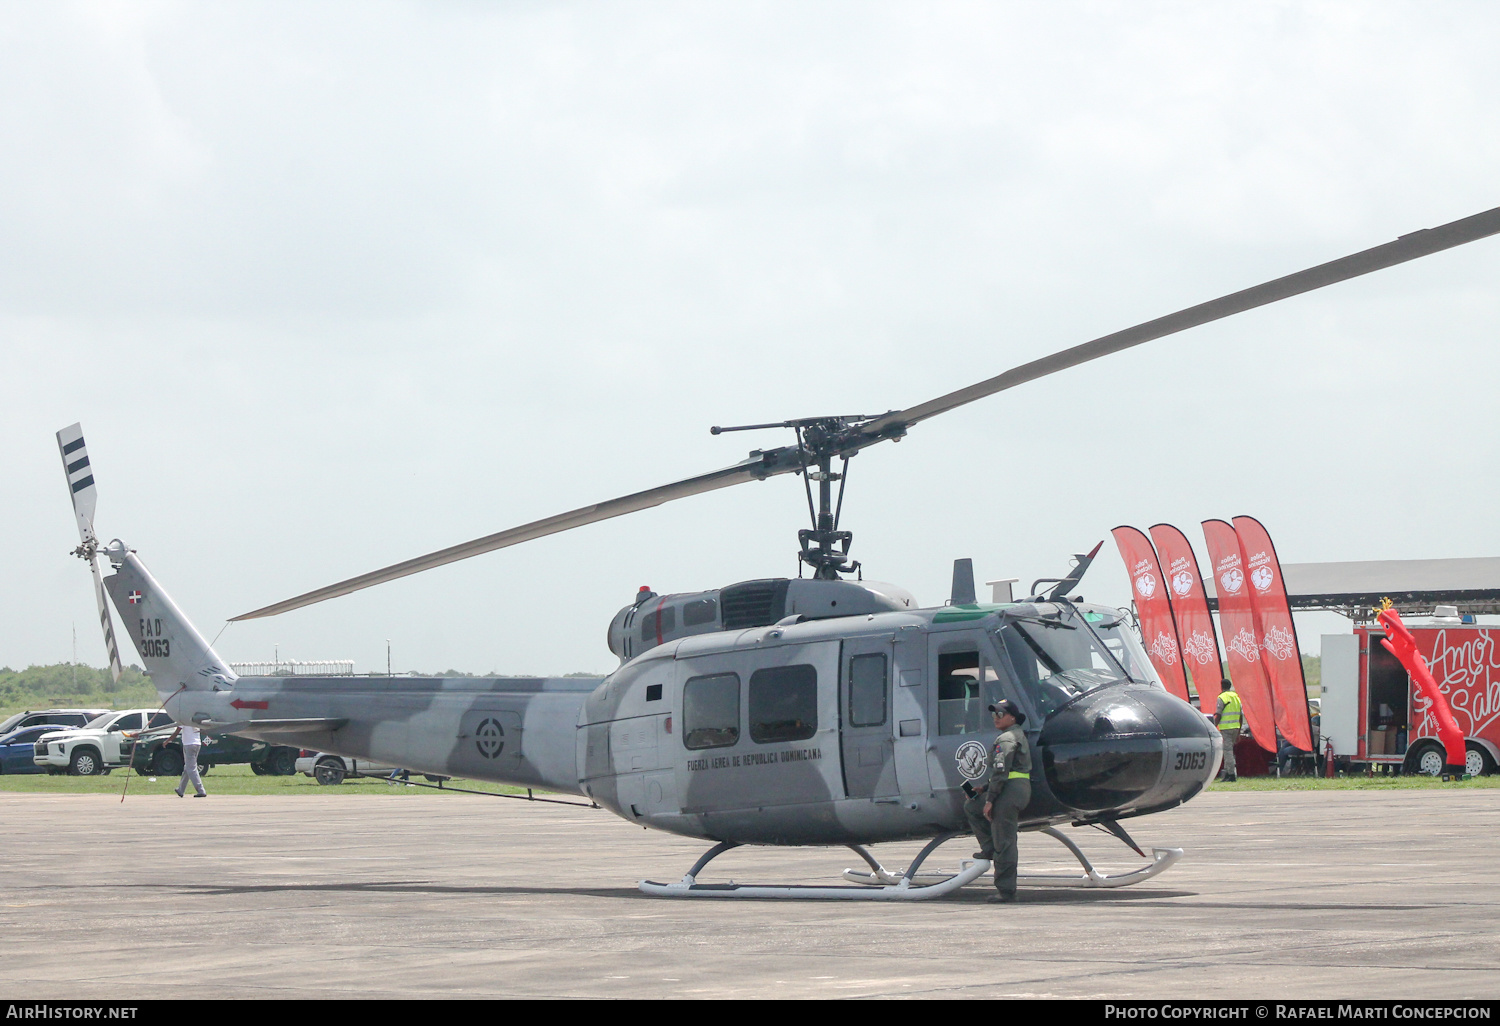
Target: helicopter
{"x": 825, "y": 710}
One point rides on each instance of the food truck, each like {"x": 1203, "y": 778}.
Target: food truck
{"x": 1372, "y": 713}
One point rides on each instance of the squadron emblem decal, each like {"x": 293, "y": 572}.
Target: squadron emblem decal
{"x": 971, "y": 759}
{"x": 489, "y": 737}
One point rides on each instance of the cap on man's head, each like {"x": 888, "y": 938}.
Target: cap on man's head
{"x": 1005, "y": 707}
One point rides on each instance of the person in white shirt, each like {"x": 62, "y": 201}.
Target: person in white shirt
{"x": 191, "y": 744}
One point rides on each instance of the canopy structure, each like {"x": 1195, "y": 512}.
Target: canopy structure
{"x": 1416, "y": 586}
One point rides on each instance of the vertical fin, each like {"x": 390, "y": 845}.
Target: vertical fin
{"x": 174, "y": 653}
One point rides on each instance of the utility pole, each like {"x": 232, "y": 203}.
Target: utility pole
{"x": 387, "y": 657}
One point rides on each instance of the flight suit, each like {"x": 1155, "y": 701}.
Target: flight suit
{"x": 1008, "y": 788}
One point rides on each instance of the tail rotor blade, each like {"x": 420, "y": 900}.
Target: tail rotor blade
{"x": 80, "y": 477}
{"x": 106, "y": 622}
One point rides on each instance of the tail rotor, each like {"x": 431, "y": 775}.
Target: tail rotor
{"x": 80, "y": 478}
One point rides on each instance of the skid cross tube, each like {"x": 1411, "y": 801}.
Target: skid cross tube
{"x": 890, "y": 887}
{"x": 1162, "y": 859}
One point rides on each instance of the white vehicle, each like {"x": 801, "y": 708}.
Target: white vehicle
{"x": 328, "y": 768}
{"x": 60, "y": 717}
{"x": 98, "y": 746}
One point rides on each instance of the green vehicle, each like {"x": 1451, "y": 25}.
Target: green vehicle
{"x": 160, "y": 751}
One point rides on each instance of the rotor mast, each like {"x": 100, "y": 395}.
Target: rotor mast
{"x": 823, "y": 547}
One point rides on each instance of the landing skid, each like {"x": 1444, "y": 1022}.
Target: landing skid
{"x": 910, "y": 884}
{"x": 889, "y": 887}
{"x": 1161, "y": 860}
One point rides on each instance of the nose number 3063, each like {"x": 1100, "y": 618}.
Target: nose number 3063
{"x": 1191, "y": 760}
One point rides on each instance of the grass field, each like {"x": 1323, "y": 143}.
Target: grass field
{"x": 229, "y": 780}
{"x": 1356, "y": 783}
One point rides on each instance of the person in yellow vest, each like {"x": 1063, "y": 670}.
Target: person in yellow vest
{"x": 1229, "y": 718}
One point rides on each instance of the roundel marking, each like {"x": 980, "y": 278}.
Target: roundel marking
{"x": 972, "y": 759}
{"x": 489, "y": 737}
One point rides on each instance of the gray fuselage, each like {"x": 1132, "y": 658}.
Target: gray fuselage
{"x": 843, "y": 730}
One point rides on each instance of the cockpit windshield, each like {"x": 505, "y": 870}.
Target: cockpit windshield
{"x": 1057, "y": 653}
{"x": 1115, "y": 631}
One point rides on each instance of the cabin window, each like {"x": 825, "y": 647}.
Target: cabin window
{"x": 666, "y": 617}
{"x": 867, "y": 690}
{"x": 783, "y": 704}
{"x": 699, "y": 611}
{"x": 653, "y": 692}
{"x": 711, "y": 711}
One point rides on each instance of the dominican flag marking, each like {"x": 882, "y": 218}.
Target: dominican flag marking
{"x": 135, "y": 598}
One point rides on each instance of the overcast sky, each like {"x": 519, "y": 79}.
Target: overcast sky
{"x": 331, "y": 285}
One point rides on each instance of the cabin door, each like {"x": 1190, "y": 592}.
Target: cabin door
{"x": 866, "y": 740}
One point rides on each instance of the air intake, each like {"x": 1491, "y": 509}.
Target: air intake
{"x": 753, "y": 603}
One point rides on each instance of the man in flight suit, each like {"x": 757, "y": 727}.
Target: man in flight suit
{"x": 994, "y": 810}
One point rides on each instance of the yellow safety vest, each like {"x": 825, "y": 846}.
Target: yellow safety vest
{"x": 1230, "y": 718}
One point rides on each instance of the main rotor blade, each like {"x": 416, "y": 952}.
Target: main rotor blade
{"x": 755, "y": 468}
{"x": 1408, "y": 247}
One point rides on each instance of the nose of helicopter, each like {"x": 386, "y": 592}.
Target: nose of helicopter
{"x": 1128, "y": 748}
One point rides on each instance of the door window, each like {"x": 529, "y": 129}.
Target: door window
{"x": 867, "y": 690}
{"x": 966, "y": 685}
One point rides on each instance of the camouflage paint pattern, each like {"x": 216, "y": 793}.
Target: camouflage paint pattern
{"x": 620, "y": 739}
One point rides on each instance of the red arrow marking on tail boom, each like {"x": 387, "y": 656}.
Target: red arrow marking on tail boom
{"x": 240, "y": 703}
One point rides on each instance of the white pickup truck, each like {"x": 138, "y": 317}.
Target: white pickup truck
{"x": 98, "y": 746}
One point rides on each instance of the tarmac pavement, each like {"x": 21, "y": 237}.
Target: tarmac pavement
{"x": 1347, "y": 895}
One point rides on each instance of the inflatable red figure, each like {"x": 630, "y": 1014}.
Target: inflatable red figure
{"x": 1400, "y": 643}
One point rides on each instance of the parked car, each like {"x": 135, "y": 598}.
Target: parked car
{"x": 16, "y": 748}
{"x": 102, "y": 744}
{"x": 160, "y": 751}
{"x": 328, "y": 768}
{"x": 58, "y": 718}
